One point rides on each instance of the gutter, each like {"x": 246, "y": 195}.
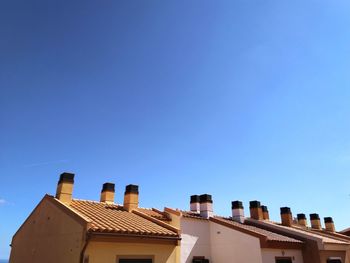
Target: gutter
{"x": 82, "y": 253}
{"x": 112, "y": 234}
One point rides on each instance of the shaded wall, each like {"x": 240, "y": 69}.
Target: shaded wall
{"x": 48, "y": 235}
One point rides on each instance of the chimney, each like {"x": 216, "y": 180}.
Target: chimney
{"x": 315, "y": 221}
{"x": 237, "y": 211}
{"x": 286, "y": 216}
{"x": 65, "y": 188}
{"x": 302, "y": 221}
{"x": 206, "y": 205}
{"x": 194, "y": 203}
{"x": 255, "y": 210}
{"x": 131, "y": 197}
{"x": 328, "y": 221}
{"x": 265, "y": 212}
{"x": 107, "y": 193}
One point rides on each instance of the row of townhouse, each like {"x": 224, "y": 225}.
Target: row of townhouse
{"x": 62, "y": 229}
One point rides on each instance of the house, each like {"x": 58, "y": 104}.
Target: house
{"x": 65, "y": 229}
{"x": 62, "y": 229}
{"x": 320, "y": 245}
{"x": 228, "y": 239}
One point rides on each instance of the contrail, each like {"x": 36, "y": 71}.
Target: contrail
{"x": 46, "y": 163}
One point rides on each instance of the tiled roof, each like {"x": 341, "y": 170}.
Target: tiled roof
{"x": 112, "y": 218}
{"x": 326, "y": 238}
{"x": 270, "y": 236}
{"x": 154, "y": 213}
{"x": 336, "y": 235}
{"x": 345, "y": 231}
{"x": 194, "y": 215}
{"x": 306, "y": 232}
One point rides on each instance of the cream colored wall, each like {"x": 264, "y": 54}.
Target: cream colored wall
{"x": 175, "y": 220}
{"x": 324, "y": 255}
{"x": 228, "y": 245}
{"x": 195, "y": 241}
{"x": 269, "y": 255}
{"x": 107, "y": 252}
{"x": 48, "y": 235}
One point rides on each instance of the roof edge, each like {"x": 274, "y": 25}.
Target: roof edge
{"x": 57, "y": 203}
{"x": 263, "y": 238}
{"x": 158, "y": 222}
{"x": 69, "y": 211}
{"x": 172, "y": 211}
{"x": 297, "y": 233}
{"x": 126, "y": 235}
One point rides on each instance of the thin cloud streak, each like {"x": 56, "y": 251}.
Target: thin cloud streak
{"x": 46, "y": 163}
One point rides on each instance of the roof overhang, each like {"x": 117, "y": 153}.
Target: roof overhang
{"x": 133, "y": 238}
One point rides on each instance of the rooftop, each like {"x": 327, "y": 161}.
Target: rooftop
{"x": 112, "y": 218}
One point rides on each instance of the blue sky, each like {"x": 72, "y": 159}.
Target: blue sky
{"x": 241, "y": 99}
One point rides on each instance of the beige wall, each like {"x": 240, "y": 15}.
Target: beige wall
{"x": 229, "y": 245}
{"x": 269, "y": 255}
{"x": 195, "y": 241}
{"x": 107, "y": 252}
{"x": 324, "y": 255}
{"x": 48, "y": 235}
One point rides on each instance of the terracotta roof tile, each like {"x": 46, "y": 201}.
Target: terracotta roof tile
{"x": 271, "y": 236}
{"x": 194, "y": 215}
{"x": 310, "y": 233}
{"x": 154, "y": 213}
{"x": 114, "y": 219}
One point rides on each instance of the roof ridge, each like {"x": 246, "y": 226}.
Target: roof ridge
{"x": 94, "y": 201}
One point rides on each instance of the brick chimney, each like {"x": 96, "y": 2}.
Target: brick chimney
{"x": 131, "y": 197}
{"x": 237, "y": 211}
{"x": 194, "y": 204}
{"x": 286, "y": 216}
{"x": 328, "y": 221}
{"x": 265, "y": 211}
{"x": 255, "y": 210}
{"x": 315, "y": 221}
{"x": 302, "y": 221}
{"x": 206, "y": 205}
{"x": 107, "y": 193}
{"x": 65, "y": 188}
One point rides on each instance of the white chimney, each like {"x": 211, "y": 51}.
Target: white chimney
{"x": 194, "y": 204}
{"x": 238, "y": 211}
{"x": 206, "y": 206}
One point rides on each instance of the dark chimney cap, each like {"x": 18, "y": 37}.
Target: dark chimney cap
{"x": 237, "y": 205}
{"x": 66, "y": 177}
{"x": 254, "y": 204}
{"x": 301, "y": 216}
{"x": 314, "y": 217}
{"x": 194, "y": 199}
{"x": 108, "y": 187}
{"x": 131, "y": 188}
{"x": 285, "y": 210}
{"x": 264, "y": 208}
{"x": 205, "y": 198}
{"x": 328, "y": 220}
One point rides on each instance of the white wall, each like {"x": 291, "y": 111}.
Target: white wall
{"x": 221, "y": 244}
{"x": 195, "y": 239}
{"x": 269, "y": 255}
{"x": 229, "y": 245}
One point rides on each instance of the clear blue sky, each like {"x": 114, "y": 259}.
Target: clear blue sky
{"x": 241, "y": 99}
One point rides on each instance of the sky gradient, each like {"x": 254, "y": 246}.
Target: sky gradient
{"x": 245, "y": 100}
